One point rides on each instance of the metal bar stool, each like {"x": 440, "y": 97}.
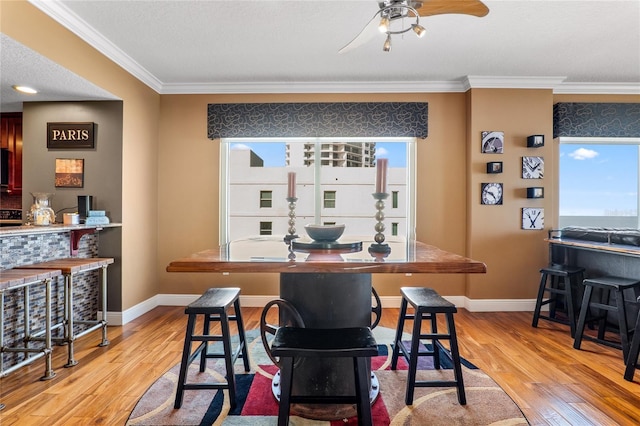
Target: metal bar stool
{"x": 559, "y": 281}
{"x": 427, "y": 303}
{"x": 358, "y": 343}
{"x": 213, "y": 305}
{"x": 70, "y": 267}
{"x": 632, "y": 359}
{"x": 608, "y": 286}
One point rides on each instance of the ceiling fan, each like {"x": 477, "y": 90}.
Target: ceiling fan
{"x": 401, "y": 16}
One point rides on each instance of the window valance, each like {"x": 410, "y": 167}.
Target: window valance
{"x": 620, "y": 120}
{"x": 346, "y": 119}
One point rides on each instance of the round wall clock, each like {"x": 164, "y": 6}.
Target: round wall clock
{"x": 491, "y": 193}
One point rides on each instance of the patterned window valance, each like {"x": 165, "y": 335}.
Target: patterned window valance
{"x": 596, "y": 120}
{"x": 349, "y": 119}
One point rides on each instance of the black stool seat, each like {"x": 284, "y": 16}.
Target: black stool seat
{"x": 608, "y": 286}
{"x": 426, "y": 303}
{"x": 214, "y": 305}
{"x": 634, "y": 349}
{"x": 358, "y": 343}
{"x": 560, "y": 282}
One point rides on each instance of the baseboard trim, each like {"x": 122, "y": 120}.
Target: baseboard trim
{"x": 257, "y": 301}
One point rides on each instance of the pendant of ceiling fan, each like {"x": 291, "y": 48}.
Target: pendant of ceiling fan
{"x": 393, "y": 10}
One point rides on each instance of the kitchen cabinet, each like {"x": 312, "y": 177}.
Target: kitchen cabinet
{"x": 11, "y": 139}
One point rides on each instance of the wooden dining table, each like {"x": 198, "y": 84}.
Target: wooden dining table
{"x": 329, "y": 285}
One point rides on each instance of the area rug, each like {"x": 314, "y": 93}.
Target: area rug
{"x": 487, "y": 403}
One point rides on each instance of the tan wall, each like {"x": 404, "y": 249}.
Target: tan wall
{"x": 27, "y": 25}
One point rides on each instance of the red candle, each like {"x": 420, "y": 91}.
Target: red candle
{"x": 291, "y": 192}
{"x": 381, "y": 175}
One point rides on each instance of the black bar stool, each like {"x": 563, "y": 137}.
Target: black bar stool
{"x": 632, "y": 359}
{"x": 559, "y": 281}
{"x": 427, "y": 303}
{"x": 607, "y": 286}
{"x": 357, "y": 343}
{"x": 213, "y": 305}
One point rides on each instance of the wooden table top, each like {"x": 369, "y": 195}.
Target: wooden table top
{"x": 72, "y": 265}
{"x": 597, "y": 246}
{"x": 272, "y": 254}
{"x": 17, "y": 277}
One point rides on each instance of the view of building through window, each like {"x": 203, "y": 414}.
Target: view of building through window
{"x": 336, "y": 189}
{"x": 599, "y": 184}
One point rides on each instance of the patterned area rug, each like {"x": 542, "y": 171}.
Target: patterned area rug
{"x": 487, "y": 403}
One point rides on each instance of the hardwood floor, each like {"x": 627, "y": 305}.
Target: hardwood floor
{"x": 552, "y": 383}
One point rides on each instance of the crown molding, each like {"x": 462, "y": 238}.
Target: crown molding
{"x": 598, "y": 89}
{"x": 315, "y": 87}
{"x": 68, "y": 19}
{"x": 505, "y": 82}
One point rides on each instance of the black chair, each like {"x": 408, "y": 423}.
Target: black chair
{"x": 427, "y": 303}
{"x": 358, "y": 343}
{"x": 213, "y": 305}
{"x": 608, "y": 287}
{"x": 634, "y": 349}
{"x": 560, "y": 282}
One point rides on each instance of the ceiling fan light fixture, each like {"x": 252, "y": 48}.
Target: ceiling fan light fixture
{"x": 419, "y": 30}
{"x": 386, "y": 47}
{"x": 383, "y": 26}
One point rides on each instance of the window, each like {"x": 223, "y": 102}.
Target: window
{"x": 265, "y": 228}
{"x": 598, "y": 182}
{"x": 394, "y": 228}
{"x": 394, "y": 199}
{"x": 265, "y": 199}
{"x": 260, "y": 166}
{"x": 329, "y": 199}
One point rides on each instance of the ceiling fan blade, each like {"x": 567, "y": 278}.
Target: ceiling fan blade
{"x": 368, "y": 32}
{"x": 440, "y": 7}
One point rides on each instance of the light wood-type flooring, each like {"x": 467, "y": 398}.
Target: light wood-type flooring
{"x": 552, "y": 383}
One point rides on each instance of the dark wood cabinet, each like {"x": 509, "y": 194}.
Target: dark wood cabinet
{"x": 11, "y": 139}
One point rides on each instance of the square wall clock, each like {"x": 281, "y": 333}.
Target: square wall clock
{"x": 491, "y": 193}
{"x": 492, "y": 142}
{"x": 532, "y": 218}
{"x": 532, "y": 167}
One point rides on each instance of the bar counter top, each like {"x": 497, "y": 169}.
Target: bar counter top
{"x": 10, "y": 231}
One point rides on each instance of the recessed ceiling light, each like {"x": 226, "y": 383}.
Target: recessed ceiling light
{"x": 24, "y": 89}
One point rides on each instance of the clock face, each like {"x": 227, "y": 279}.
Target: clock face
{"x": 532, "y": 167}
{"x": 492, "y": 142}
{"x": 491, "y": 193}
{"x": 532, "y": 218}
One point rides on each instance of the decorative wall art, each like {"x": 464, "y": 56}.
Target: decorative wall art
{"x": 492, "y": 142}
{"x": 491, "y": 193}
{"x": 532, "y": 218}
{"x": 535, "y": 141}
{"x": 71, "y": 135}
{"x": 494, "y": 167}
{"x": 535, "y": 192}
{"x": 532, "y": 167}
{"x": 69, "y": 173}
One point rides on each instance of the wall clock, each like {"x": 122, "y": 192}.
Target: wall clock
{"x": 491, "y": 193}
{"x": 532, "y": 218}
{"x": 492, "y": 142}
{"x": 532, "y": 167}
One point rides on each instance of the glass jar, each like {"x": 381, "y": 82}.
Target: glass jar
{"x": 41, "y": 213}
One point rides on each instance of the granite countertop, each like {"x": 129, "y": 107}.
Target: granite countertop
{"x": 34, "y": 229}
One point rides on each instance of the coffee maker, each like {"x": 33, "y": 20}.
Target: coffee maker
{"x": 85, "y": 204}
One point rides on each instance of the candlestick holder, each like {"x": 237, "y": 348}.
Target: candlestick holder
{"x": 292, "y": 220}
{"x": 379, "y": 246}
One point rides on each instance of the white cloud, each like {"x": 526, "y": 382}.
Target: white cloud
{"x": 381, "y": 153}
{"x": 583, "y": 154}
{"x": 239, "y": 146}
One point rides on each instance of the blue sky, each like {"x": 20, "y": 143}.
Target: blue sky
{"x": 273, "y": 153}
{"x": 598, "y": 179}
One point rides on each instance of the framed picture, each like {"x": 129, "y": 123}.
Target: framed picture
{"x": 535, "y": 141}
{"x": 491, "y": 193}
{"x": 535, "y": 192}
{"x": 69, "y": 173}
{"x": 532, "y": 218}
{"x": 532, "y": 167}
{"x": 492, "y": 142}
{"x": 71, "y": 135}
{"x": 494, "y": 167}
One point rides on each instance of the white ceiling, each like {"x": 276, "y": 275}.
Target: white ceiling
{"x": 281, "y": 46}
